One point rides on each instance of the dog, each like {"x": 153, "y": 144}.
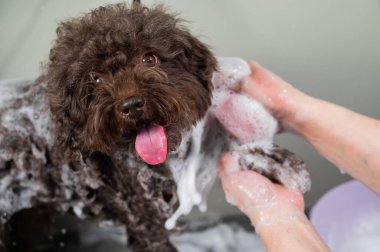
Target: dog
{"x": 121, "y": 109}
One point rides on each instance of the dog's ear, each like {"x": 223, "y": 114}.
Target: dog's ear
{"x": 200, "y": 61}
{"x": 138, "y": 2}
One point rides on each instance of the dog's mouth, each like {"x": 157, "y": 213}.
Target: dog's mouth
{"x": 151, "y": 144}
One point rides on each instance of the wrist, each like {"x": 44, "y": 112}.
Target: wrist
{"x": 295, "y": 112}
{"x": 294, "y": 234}
{"x": 281, "y": 216}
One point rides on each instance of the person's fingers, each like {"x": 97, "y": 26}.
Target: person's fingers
{"x": 286, "y": 103}
{"x": 245, "y": 119}
{"x": 273, "y": 209}
{"x": 249, "y": 190}
{"x": 266, "y": 87}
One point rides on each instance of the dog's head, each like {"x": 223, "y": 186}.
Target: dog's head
{"x": 127, "y": 77}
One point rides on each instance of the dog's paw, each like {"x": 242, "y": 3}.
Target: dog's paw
{"x": 278, "y": 164}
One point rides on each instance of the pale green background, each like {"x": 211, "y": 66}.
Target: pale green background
{"x": 328, "y": 48}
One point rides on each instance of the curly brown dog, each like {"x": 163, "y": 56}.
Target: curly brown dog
{"x": 112, "y": 81}
{"x": 97, "y": 135}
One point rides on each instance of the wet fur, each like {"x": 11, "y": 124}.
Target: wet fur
{"x": 90, "y": 166}
{"x": 65, "y": 146}
{"x": 111, "y": 41}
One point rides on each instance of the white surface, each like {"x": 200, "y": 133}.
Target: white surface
{"x": 221, "y": 238}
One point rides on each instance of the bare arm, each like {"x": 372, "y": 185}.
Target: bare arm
{"x": 347, "y": 139}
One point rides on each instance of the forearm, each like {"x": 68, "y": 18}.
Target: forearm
{"x": 295, "y": 235}
{"x": 344, "y": 137}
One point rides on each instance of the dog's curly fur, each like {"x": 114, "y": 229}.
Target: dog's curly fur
{"x": 111, "y": 42}
{"x": 67, "y": 139}
{"x": 99, "y": 61}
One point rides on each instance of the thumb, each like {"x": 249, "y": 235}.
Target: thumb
{"x": 243, "y": 188}
{"x": 250, "y": 191}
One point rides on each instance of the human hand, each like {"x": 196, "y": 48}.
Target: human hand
{"x": 243, "y": 117}
{"x": 275, "y": 211}
{"x": 326, "y": 126}
{"x": 264, "y": 202}
{"x": 279, "y": 97}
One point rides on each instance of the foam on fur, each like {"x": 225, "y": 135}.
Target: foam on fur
{"x": 246, "y": 129}
{"x": 243, "y": 117}
{"x": 196, "y": 171}
{"x": 253, "y": 128}
{"x": 68, "y": 139}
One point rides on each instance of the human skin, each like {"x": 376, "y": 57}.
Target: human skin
{"x": 344, "y": 137}
{"x": 347, "y": 139}
{"x": 275, "y": 211}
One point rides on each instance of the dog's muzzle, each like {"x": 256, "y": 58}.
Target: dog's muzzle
{"x": 133, "y": 107}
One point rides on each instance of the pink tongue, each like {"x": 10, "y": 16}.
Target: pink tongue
{"x": 151, "y": 144}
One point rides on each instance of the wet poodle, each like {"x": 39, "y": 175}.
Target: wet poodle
{"x": 76, "y": 139}
{"x": 97, "y": 133}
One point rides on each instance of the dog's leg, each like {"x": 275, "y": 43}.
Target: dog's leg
{"x": 145, "y": 228}
{"x": 139, "y": 197}
{"x": 278, "y": 164}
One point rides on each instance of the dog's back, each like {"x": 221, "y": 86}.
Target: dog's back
{"x": 25, "y": 143}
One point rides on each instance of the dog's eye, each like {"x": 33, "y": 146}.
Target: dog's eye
{"x": 150, "y": 60}
{"x": 95, "y": 77}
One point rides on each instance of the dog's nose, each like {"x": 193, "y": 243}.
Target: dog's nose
{"x": 133, "y": 106}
